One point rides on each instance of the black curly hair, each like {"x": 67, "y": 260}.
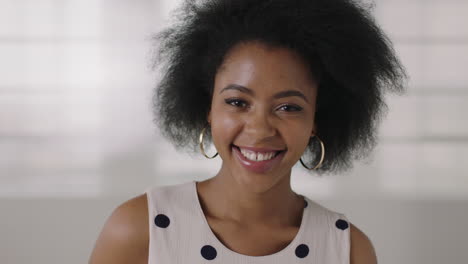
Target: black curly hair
{"x": 339, "y": 39}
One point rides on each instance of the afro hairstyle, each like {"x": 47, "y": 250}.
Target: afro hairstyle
{"x": 339, "y": 39}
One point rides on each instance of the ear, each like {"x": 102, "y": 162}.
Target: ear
{"x": 208, "y": 118}
{"x": 314, "y": 130}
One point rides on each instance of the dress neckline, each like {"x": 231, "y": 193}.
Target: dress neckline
{"x": 289, "y": 249}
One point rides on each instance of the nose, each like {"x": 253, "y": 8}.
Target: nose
{"x": 259, "y": 125}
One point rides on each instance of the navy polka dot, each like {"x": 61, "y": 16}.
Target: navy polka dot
{"x": 341, "y": 224}
{"x": 302, "y": 251}
{"x": 208, "y": 252}
{"x": 162, "y": 221}
{"x": 305, "y": 204}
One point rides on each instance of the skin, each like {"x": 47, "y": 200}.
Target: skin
{"x": 251, "y": 213}
{"x": 258, "y": 119}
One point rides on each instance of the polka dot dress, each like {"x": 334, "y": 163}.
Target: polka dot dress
{"x": 179, "y": 233}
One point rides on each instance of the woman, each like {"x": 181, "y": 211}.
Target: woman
{"x": 270, "y": 83}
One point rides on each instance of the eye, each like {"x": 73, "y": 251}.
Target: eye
{"x": 290, "y": 108}
{"x": 236, "y": 102}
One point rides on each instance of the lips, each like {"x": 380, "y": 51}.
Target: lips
{"x": 258, "y": 160}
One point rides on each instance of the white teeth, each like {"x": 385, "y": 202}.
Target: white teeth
{"x": 257, "y": 156}
{"x": 260, "y": 156}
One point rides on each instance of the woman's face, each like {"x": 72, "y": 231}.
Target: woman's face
{"x": 262, "y": 112}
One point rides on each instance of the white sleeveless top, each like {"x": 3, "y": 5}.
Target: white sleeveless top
{"x": 179, "y": 233}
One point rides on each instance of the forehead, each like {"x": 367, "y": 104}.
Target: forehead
{"x": 256, "y": 64}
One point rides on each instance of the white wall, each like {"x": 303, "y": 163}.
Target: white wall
{"x": 77, "y": 139}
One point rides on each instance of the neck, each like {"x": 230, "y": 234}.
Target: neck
{"x": 261, "y": 202}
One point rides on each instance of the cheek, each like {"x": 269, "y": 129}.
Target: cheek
{"x": 298, "y": 133}
{"x": 224, "y": 128}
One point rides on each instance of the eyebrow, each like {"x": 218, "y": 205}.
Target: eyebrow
{"x": 281, "y": 94}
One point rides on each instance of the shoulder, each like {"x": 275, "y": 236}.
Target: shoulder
{"x": 362, "y": 250}
{"x": 124, "y": 237}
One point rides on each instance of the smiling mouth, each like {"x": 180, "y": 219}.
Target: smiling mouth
{"x": 258, "y": 155}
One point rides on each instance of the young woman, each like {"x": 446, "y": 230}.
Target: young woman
{"x": 269, "y": 83}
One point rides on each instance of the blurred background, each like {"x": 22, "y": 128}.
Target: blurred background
{"x": 77, "y": 137}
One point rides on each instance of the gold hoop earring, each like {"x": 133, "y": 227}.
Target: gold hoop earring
{"x": 200, "y": 140}
{"x": 321, "y": 158}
